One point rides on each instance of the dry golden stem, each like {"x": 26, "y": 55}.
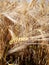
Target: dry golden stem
{"x": 20, "y": 39}
{"x": 23, "y": 46}
{"x": 32, "y": 3}
{"x": 8, "y": 17}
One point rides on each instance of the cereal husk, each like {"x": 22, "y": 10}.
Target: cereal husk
{"x": 24, "y": 32}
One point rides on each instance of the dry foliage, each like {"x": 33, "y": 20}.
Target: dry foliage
{"x": 24, "y": 28}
